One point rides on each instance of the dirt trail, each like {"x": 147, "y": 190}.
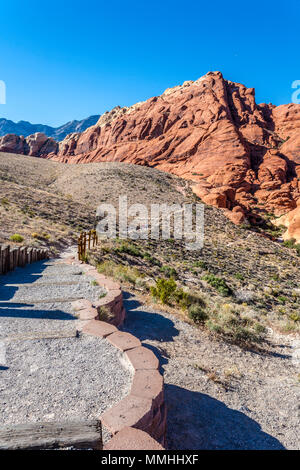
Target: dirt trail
{"x": 218, "y": 395}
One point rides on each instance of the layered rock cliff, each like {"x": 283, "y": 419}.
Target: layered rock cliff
{"x": 240, "y": 155}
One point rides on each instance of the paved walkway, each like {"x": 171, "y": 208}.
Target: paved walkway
{"x": 47, "y": 371}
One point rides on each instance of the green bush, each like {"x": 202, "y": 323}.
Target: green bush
{"x": 164, "y": 290}
{"x": 239, "y": 276}
{"x": 16, "y": 238}
{"x": 200, "y": 264}
{"x": 186, "y": 299}
{"x": 218, "y": 283}
{"x": 119, "y": 271}
{"x": 290, "y": 243}
{"x": 169, "y": 271}
{"x": 129, "y": 249}
{"x": 197, "y": 314}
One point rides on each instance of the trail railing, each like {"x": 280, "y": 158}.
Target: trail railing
{"x": 86, "y": 241}
{"x": 13, "y": 257}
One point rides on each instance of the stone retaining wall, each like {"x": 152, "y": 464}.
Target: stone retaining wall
{"x": 12, "y": 257}
{"x": 139, "y": 420}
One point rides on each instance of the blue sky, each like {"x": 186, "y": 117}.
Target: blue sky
{"x": 67, "y": 60}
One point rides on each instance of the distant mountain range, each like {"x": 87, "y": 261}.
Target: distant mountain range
{"x": 25, "y": 128}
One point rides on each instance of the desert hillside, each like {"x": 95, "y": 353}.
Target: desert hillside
{"x": 48, "y": 203}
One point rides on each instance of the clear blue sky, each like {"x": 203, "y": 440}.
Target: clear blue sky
{"x": 70, "y": 59}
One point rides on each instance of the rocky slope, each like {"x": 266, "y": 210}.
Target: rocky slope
{"x": 242, "y": 157}
{"x": 25, "y": 128}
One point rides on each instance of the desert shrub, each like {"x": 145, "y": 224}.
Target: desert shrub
{"x": 218, "y": 283}
{"x": 40, "y": 236}
{"x": 239, "y": 276}
{"x": 186, "y": 298}
{"x": 289, "y": 243}
{"x": 260, "y": 329}
{"x": 282, "y": 299}
{"x": 169, "y": 271}
{"x": 94, "y": 283}
{"x": 129, "y": 249}
{"x": 141, "y": 283}
{"x": 105, "y": 314}
{"x": 119, "y": 271}
{"x": 151, "y": 259}
{"x": 16, "y": 238}
{"x": 197, "y": 314}
{"x": 200, "y": 264}
{"x": 295, "y": 317}
{"x": 164, "y": 290}
{"x": 230, "y": 323}
{"x": 243, "y": 295}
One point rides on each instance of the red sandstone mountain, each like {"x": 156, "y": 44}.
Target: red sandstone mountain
{"x": 239, "y": 154}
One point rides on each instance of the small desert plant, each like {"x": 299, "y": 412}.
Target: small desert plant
{"x": 105, "y": 314}
{"x": 16, "y": 238}
{"x": 244, "y": 296}
{"x": 197, "y": 314}
{"x": 186, "y": 298}
{"x": 200, "y": 264}
{"x": 289, "y": 243}
{"x": 239, "y": 276}
{"x": 169, "y": 271}
{"x": 94, "y": 283}
{"x": 129, "y": 249}
{"x": 119, "y": 271}
{"x": 164, "y": 290}
{"x": 85, "y": 258}
{"x": 295, "y": 317}
{"x": 218, "y": 283}
{"x": 230, "y": 323}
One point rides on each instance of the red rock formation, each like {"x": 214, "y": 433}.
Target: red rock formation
{"x": 211, "y": 131}
{"x": 38, "y": 144}
{"x": 291, "y": 220}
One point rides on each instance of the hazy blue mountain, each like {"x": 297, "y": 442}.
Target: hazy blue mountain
{"x": 25, "y": 128}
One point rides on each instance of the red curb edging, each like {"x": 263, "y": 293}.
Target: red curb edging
{"x": 133, "y": 439}
{"x": 138, "y": 421}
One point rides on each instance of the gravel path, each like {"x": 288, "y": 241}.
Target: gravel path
{"x": 218, "y": 395}
{"x": 47, "y": 371}
{"x": 72, "y": 379}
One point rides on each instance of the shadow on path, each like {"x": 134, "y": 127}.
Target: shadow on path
{"x": 197, "y": 421}
{"x": 146, "y": 325}
{"x": 26, "y": 275}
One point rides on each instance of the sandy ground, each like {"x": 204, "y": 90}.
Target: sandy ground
{"x": 218, "y": 395}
